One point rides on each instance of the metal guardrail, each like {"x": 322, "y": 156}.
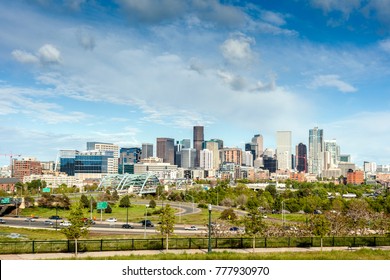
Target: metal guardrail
{"x": 61, "y": 246}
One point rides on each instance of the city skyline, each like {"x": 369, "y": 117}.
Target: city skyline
{"x": 127, "y": 73}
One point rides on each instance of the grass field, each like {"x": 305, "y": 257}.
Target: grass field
{"x": 361, "y": 254}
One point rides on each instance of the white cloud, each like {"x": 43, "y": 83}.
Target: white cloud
{"x": 332, "y": 81}
{"x": 385, "y": 45}
{"x": 273, "y": 18}
{"x": 236, "y": 82}
{"x": 86, "y": 39}
{"x": 152, "y": 11}
{"x": 24, "y": 57}
{"x": 237, "y": 50}
{"x": 74, "y": 4}
{"x": 49, "y": 54}
{"x": 345, "y": 7}
{"x": 350, "y": 134}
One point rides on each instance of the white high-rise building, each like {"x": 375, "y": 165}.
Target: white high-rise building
{"x": 107, "y": 147}
{"x": 206, "y": 159}
{"x": 316, "y": 151}
{"x": 247, "y": 158}
{"x": 213, "y": 146}
{"x": 283, "y": 149}
{"x": 331, "y": 155}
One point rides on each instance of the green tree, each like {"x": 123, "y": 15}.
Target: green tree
{"x": 108, "y": 209}
{"x": 167, "y": 223}
{"x": 125, "y": 201}
{"x": 228, "y": 214}
{"x": 254, "y": 225}
{"x": 152, "y": 204}
{"x": 115, "y": 196}
{"x": 84, "y": 201}
{"x": 320, "y": 226}
{"x": 77, "y": 229}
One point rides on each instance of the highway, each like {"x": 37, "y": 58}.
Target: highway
{"x": 103, "y": 227}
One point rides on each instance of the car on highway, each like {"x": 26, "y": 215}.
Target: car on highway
{"x": 191, "y": 228}
{"x": 48, "y": 223}
{"x": 30, "y": 220}
{"x": 147, "y": 223}
{"x": 88, "y": 221}
{"x": 2, "y": 221}
{"x": 128, "y": 226}
{"x": 236, "y": 230}
{"x": 55, "y": 217}
{"x": 111, "y": 220}
{"x": 65, "y": 224}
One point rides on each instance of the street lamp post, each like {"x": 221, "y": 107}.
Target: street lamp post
{"x": 56, "y": 215}
{"x": 127, "y": 214}
{"x": 193, "y": 203}
{"x": 90, "y": 198}
{"x": 209, "y": 248}
{"x": 146, "y": 214}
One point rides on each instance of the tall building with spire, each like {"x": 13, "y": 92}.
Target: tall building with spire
{"x": 316, "y": 151}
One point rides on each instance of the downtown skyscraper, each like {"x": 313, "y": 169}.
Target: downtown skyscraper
{"x": 166, "y": 150}
{"x": 316, "y": 151}
{"x": 198, "y": 142}
{"x": 283, "y": 149}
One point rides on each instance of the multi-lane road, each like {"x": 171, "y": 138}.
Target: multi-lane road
{"x": 104, "y": 226}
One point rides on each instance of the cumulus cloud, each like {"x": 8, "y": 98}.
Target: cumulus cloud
{"x": 214, "y": 11}
{"x": 24, "y": 57}
{"x": 237, "y": 50}
{"x": 236, "y": 82}
{"x": 265, "y": 87}
{"x": 332, "y": 81}
{"x": 47, "y": 54}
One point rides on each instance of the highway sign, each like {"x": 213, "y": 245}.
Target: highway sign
{"x": 5, "y": 200}
{"x": 46, "y": 190}
{"x": 102, "y": 205}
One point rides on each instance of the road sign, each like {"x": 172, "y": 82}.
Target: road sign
{"x": 46, "y": 190}
{"x": 102, "y": 205}
{"x": 5, "y": 200}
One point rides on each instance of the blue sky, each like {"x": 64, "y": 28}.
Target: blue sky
{"x": 128, "y": 71}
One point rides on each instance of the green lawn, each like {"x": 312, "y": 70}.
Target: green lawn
{"x": 362, "y": 254}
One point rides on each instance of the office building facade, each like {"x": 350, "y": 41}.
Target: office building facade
{"x": 283, "y": 149}
{"x": 316, "y": 151}
{"x": 301, "y": 157}
{"x": 198, "y": 142}
{"x": 147, "y": 150}
{"x": 166, "y": 149}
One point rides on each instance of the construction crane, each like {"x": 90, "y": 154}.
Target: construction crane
{"x": 11, "y": 157}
